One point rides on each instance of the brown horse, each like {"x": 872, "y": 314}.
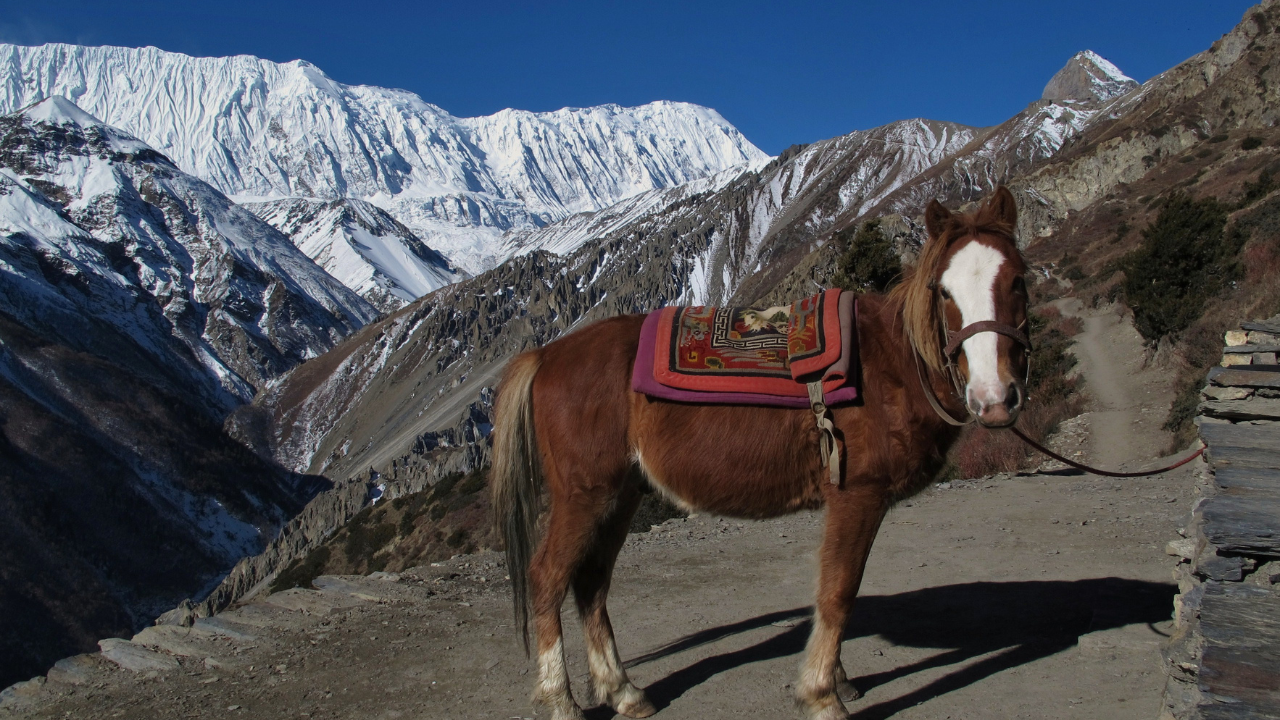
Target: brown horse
{"x": 567, "y": 420}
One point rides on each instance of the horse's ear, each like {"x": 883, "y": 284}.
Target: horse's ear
{"x": 935, "y": 218}
{"x": 1001, "y": 206}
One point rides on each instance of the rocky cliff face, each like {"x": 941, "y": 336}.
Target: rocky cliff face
{"x": 137, "y": 306}
{"x": 1230, "y": 86}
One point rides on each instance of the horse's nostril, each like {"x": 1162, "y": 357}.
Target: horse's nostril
{"x": 1014, "y": 399}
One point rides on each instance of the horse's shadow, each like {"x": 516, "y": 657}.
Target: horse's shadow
{"x": 1019, "y": 622}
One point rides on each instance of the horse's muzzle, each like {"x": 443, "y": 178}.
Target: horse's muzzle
{"x": 994, "y": 411}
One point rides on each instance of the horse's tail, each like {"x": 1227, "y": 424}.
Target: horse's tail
{"x": 516, "y": 478}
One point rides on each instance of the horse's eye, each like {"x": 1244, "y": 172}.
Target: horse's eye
{"x": 1020, "y": 286}
{"x": 945, "y": 295}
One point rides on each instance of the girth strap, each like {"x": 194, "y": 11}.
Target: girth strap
{"x": 830, "y": 447}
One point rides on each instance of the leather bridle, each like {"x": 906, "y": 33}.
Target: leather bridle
{"x": 952, "y": 342}
{"x": 952, "y": 351}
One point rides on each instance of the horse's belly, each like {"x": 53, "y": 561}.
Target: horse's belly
{"x": 730, "y": 460}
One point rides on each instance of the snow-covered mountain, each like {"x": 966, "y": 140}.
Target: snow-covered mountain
{"x": 1086, "y": 91}
{"x": 1088, "y": 77}
{"x": 362, "y": 246}
{"x": 95, "y": 222}
{"x": 138, "y": 305}
{"x": 256, "y": 129}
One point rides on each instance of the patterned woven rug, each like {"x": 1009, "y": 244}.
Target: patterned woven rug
{"x": 750, "y": 355}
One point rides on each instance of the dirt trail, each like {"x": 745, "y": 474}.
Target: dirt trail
{"x": 1129, "y": 400}
{"x": 1042, "y": 596}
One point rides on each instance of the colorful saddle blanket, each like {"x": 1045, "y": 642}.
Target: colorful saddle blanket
{"x": 751, "y": 356}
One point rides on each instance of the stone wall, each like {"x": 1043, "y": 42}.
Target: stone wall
{"x": 1224, "y": 656}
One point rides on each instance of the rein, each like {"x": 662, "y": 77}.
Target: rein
{"x": 1106, "y": 473}
{"x": 950, "y": 353}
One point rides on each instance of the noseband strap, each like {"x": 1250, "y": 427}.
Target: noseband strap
{"x": 952, "y": 350}
{"x": 968, "y": 331}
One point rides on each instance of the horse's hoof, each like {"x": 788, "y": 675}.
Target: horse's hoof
{"x": 827, "y": 707}
{"x": 572, "y": 712}
{"x": 846, "y": 691}
{"x": 834, "y": 711}
{"x": 636, "y": 705}
{"x": 561, "y": 708}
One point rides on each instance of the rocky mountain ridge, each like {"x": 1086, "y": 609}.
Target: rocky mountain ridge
{"x": 362, "y": 246}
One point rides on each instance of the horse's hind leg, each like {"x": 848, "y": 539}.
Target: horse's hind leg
{"x": 570, "y": 530}
{"x": 853, "y": 518}
{"x": 609, "y": 680}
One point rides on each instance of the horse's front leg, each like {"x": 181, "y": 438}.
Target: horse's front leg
{"x": 853, "y": 518}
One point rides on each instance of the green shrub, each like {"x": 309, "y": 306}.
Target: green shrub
{"x": 869, "y": 262}
{"x": 475, "y": 481}
{"x": 1255, "y": 191}
{"x": 363, "y": 541}
{"x": 407, "y": 524}
{"x": 456, "y": 538}
{"x": 300, "y": 573}
{"x": 1250, "y": 143}
{"x": 1186, "y": 257}
{"x": 1050, "y": 362}
{"x": 1182, "y": 413}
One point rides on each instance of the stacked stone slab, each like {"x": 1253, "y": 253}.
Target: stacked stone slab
{"x": 1224, "y": 656}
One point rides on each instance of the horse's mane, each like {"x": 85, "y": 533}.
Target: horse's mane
{"x": 915, "y": 294}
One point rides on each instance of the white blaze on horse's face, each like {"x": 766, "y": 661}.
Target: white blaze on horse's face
{"x": 970, "y": 280}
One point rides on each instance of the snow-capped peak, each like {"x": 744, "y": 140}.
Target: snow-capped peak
{"x": 59, "y": 111}
{"x": 1110, "y": 70}
{"x": 1088, "y": 77}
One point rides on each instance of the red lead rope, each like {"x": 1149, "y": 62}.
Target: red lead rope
{"x": 1106, "y": 473}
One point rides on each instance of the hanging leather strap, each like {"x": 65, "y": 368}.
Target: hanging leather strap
{"x": 830, "y": 447}
{"x": 933, "y": 401}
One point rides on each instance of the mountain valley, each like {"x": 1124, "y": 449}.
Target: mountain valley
{"x": 246, "y": 301}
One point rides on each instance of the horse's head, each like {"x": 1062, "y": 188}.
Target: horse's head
{"x": 967, "y": 310}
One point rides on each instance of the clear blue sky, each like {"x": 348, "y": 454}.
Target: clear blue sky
{"x": 782, "y": 72}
